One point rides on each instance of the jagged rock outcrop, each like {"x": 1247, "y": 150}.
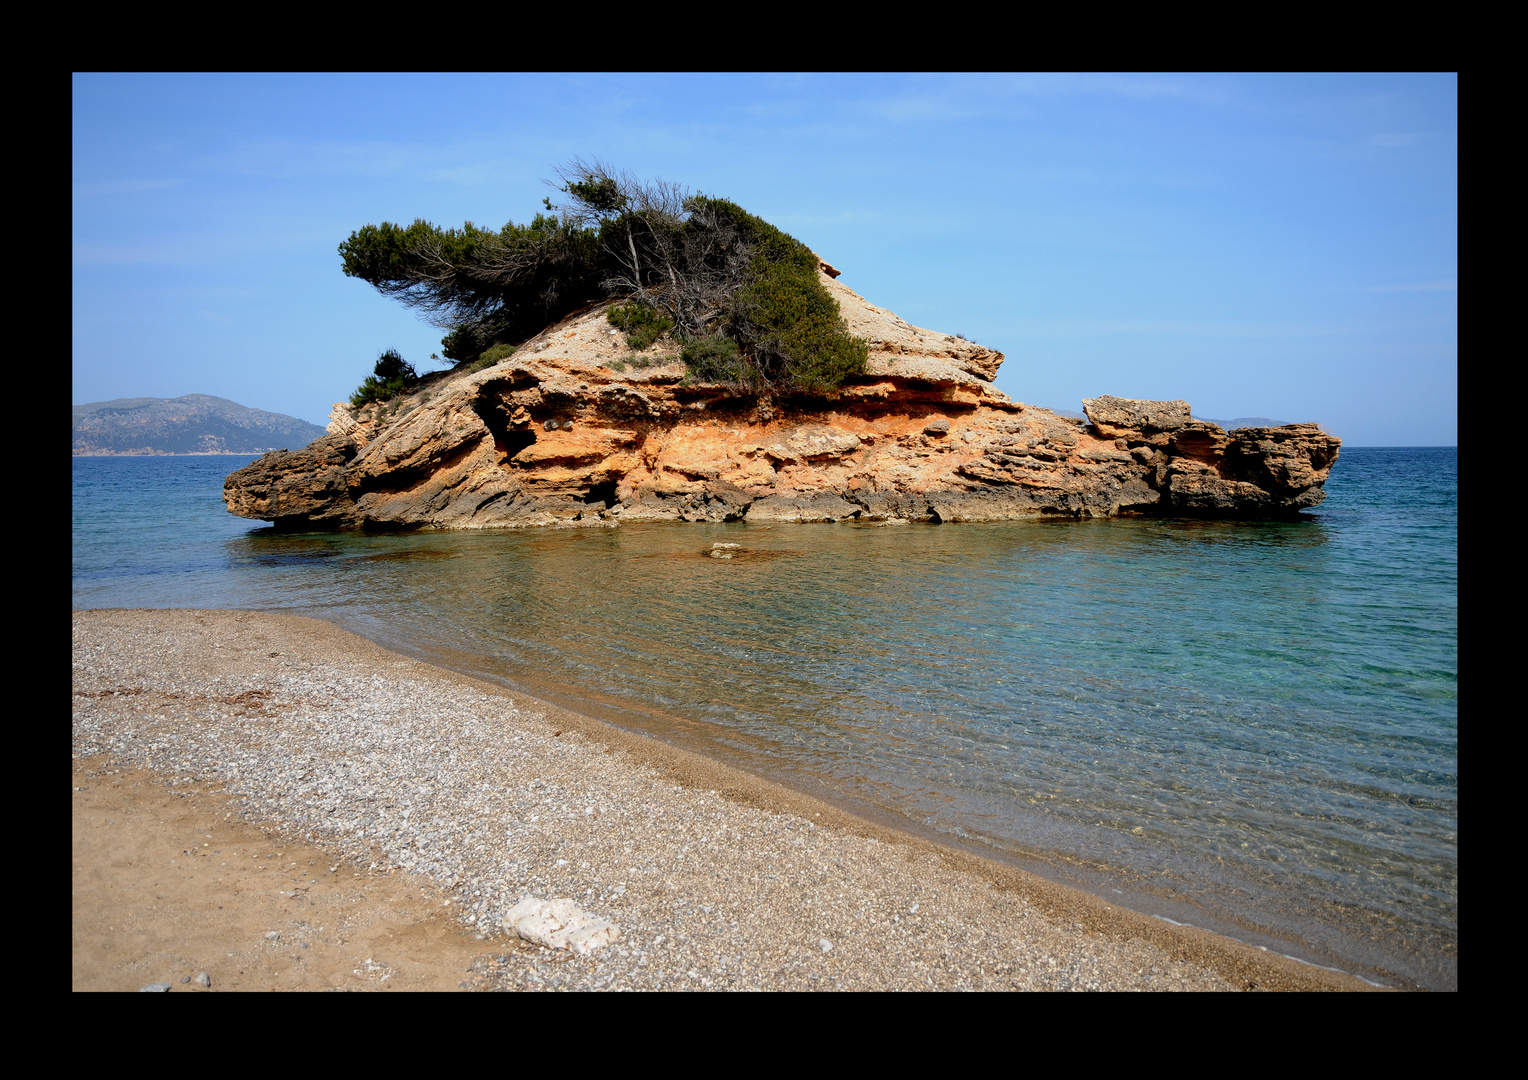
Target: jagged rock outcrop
{"x": 1199, "y": 468}
{"x": 575, "y": 429}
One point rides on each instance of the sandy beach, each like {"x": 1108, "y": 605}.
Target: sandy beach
{"x": 283, "y": 805}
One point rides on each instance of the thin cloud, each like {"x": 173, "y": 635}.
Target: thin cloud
{"x": 1394, "y": 140}
{"x": 1186, "y": 329}
{"x": 847, "y": 217}
{"x": 121, "y": 187}
{"x": 966, "y": 97}
{"x": 131, "y": 254}
{"x": 1450, "y": 285}
{"x": 193, "y": 250}
{"x": 287, "y": 159}
{"x": 1129, "y": 86}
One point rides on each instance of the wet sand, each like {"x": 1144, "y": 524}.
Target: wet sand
{"x": 277, "y": 748}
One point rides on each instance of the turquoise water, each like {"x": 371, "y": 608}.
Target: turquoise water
{"x": 1248, "y": 727}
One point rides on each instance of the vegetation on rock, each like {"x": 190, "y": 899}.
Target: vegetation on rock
{"x": 492, "y": 355}
{"x": 643, "y": 325}
{"x": 392, "y": 375}
{"x": 713, "y": 359}
{"x": 741, "y": 296}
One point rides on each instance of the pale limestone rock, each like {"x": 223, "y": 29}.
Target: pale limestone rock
{"x": 560, "y": 924}
{"x": 813, "y": 441}
{"x": 1118, "y": 416}
{"x": 342, "y": 418}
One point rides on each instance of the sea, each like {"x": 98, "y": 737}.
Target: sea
{"x": 1248, "y": 727}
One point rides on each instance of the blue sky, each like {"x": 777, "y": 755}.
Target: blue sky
{"x": 1282, "y": 246}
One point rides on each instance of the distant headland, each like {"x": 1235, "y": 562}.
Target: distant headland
{"x": 193, "y": 424}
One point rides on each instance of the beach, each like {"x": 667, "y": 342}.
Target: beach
{"x": 242, "y": 774}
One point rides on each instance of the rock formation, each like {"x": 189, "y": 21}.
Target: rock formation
{"x": 575, "y": 429}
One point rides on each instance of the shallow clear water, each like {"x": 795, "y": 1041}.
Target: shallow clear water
{"x": 1249, "y": 727}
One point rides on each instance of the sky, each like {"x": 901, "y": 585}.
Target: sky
{"x": 1279, "y": 246}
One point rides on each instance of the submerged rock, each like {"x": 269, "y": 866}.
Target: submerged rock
{"x": 572, "y": 431}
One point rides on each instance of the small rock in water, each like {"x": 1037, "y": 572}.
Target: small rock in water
{"x": 155, "y": 988}
{"x": 204, "y": 979}
{"x": 725, "y": 551}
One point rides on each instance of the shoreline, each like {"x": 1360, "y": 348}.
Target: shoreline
{"x": 1090, "y": 876}
{"x": 170, "y": 453}
{"x": 718, "y": 877}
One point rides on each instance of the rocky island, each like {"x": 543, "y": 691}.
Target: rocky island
{"x": 651, "y": 355}
{"x": 558, "y": 434}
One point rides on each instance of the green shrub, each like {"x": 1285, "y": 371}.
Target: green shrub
{"x": 791, "y": 331}
{"x": 715, "y": 359}
{"x": 463, "y": 343}
{"x": 488, "y": 285}
{"x": 643, "y": 325}
{"x": 491, "y": 356}
{"x": 392, "y": 375}
{"x": 390, "y": 365}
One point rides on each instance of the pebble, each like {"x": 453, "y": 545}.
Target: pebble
{"x": 204, "y": 979}
{"x": 155, "y": 988}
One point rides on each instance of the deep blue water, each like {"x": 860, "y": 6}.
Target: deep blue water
{"x": 1250, "y": 727}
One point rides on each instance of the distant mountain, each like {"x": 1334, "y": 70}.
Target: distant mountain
{"x": 194, "y": 424}
{"x": 1244, "y": 421}
{"x": 1228, "y": 425}
{"x": 1254, "y": 421}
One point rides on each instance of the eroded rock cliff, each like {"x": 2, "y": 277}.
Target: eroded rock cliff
{"x": 575, "y": 429}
